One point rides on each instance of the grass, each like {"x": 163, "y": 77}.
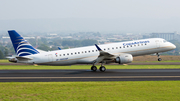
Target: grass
{"x": 26, "y": 67}
{"x": 91, "y": 91}
{"x": 4, "y": 61}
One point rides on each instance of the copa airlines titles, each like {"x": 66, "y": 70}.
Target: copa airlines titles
{"x": 138, "y": 42}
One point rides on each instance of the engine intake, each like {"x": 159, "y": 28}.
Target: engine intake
{"x": 124, "y": 58}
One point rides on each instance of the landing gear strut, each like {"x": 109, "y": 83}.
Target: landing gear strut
{"x": 159, "y": 59}
{"x": 102, "y": 68}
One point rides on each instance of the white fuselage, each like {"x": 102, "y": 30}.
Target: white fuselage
{"x": 87, "y": 55}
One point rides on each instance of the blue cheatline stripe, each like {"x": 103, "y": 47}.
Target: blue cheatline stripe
{"x": 21, "y": 46}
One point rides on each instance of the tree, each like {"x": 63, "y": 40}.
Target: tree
{"x": 89, "y": 42}
{"x": 5, "y": 51}
{"x": 44, "y": 47}
{"x": 1, "y": 55}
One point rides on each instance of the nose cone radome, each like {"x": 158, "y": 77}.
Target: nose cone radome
{"x": 173, "y": 46}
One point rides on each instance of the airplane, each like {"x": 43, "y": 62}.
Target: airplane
{"x": 120, "y": 52}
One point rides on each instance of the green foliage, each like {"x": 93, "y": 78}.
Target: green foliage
{"x": 44, "y": 47}
{"x": 1, "y": 55}
{"x": 91, "y": 91}
{"x": 5, "y": 51}
{"x": 78, "y": 43}
{"x": 32, "y": 42}
{"x": 4, "y": 61}
{"x": 88, "y": 42}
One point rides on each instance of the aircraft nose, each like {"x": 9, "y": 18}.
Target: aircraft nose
{"x": 173, "y": 46}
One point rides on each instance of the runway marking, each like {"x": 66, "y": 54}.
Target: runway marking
{"x": 106, "y": 77}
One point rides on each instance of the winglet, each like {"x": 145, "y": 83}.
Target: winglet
{"x": 98, "y": 47}
{"x": 59, "y": 48}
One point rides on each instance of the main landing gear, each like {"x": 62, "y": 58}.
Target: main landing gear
{"x": 159, "y": 59}
{"x": 102, "y": 68}
{"x": 94, "y": 68}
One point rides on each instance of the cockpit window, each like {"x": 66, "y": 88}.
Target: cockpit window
{"x": 164, "y": 41}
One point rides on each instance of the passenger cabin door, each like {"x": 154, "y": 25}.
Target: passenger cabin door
{"x": 50, "y": 58}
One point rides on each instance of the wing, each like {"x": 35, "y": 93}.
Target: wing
{"x": 103, "y": 56}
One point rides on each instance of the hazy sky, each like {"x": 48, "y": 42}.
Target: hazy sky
{"x": 152, "y": 10}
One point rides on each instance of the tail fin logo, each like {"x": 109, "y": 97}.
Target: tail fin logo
{"x": 21, "y": 46}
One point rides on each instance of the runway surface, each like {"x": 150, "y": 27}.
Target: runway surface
{"x": 87, "y": 75}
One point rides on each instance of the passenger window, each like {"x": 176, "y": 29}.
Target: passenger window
{"x": 64, "y": 54}
{"x": 123, "y": 46}
{"x": 85, "y": 51}
{"x": 92, "y": 50}
{"x": 108, "y": 48}
{"x": 71, "y": 53}
{"x": 116, "y": 47}
{"x": 78, "y": 52}
{"x": 59, "y": 54}
{"x": 89, "y": 51}
{"x": 75, "y": 53}
{"x": 67, "y": 53}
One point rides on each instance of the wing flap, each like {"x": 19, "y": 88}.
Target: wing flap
{"x": 103, "y": 55}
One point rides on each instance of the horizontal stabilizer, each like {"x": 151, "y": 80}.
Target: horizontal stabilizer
{"x": 24, "y": 58}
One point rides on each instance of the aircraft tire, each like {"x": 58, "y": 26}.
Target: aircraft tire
{"x": 102, "y": 69}
{"x": 159, "y": 59}
{"x": 94, "y": 68}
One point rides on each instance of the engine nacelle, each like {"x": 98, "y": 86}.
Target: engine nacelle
{"x": 13, "y": 60}
{"x": 124, "y": 58}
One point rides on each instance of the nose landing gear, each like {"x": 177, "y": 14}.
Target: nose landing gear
{"x": 159, "y": 59}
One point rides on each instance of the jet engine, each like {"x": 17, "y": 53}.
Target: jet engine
{"x": 124, "y": 58}
{"x": 13, "y": 60}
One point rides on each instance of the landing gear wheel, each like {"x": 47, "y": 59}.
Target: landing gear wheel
{"x": 159, "y": 59}
{"x": 94, "y": 68}
{"x": 102, "y": 69}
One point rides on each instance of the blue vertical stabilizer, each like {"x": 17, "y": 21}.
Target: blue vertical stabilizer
{"x": 21, "y": 46}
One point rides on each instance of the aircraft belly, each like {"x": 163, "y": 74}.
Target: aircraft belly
{"x": 86, "y": 60}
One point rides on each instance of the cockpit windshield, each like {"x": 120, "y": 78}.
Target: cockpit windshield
{"x": 164, "y": 41}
